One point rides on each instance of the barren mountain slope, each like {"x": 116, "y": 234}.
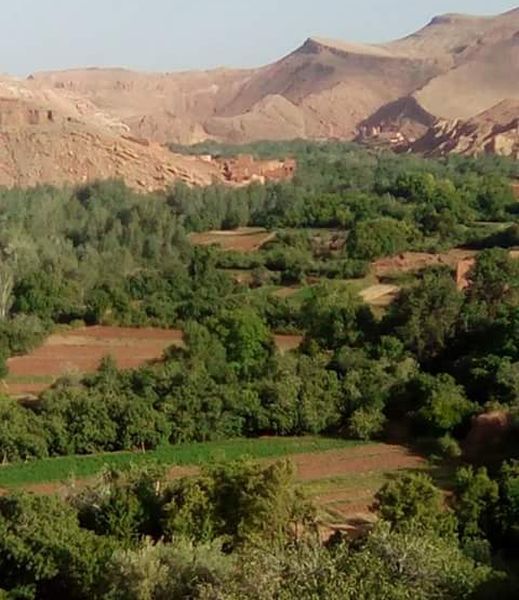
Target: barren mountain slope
{"x": 477, "y": 84}
{"x": 484, "y": 55}
{"x": 454, "y": 68}
{"x": 52, "y": 137}
{"x": 322, "y": 87}
{"x": 453, "y": 38}
{"x": 164, "y": 107}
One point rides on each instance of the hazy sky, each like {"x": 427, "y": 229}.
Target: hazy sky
{"x": 170, "y": 35}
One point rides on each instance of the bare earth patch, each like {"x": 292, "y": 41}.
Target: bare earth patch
{"x": 362, "y": 459}
{"x": 415, "y": 261}
{"x": 380, "y": 294}
{"x": 243, "y": 239}
{"x": 342, "y": 484}
{"x": 81, "y": 351}
{"x": 458, "y": 259}
{"x": 285, "y": 343}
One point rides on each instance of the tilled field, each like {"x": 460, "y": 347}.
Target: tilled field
{"x": 342, "y": 483}
{"x": 81, "y": 351}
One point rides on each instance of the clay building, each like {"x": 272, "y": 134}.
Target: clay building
{"x": 245, "y": 168}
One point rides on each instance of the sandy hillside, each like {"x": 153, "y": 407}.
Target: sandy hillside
{"x": 454, "y": 69}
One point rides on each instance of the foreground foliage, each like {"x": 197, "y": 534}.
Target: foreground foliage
{"x": 234, "y": 531}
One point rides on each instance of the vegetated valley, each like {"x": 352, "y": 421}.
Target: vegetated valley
{"x": 303, "y": 389}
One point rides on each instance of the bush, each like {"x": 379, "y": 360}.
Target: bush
{"x": 366, "y": 423}
{"x": 449, "y": 447}
{"x": 381, "y": 237}
{"x": 22, "y": 334}
{"x": 443, "y": 405}
{"x": 412, "y": 500}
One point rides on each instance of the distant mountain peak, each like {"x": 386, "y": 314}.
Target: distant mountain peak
{"x": 317, "y": 43}
{"x": 450, "y": 18}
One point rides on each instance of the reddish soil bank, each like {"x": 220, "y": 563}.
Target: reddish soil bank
{"x": 415, "y": 261}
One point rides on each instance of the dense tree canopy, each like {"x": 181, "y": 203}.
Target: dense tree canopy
{"x": 430, "y": 362}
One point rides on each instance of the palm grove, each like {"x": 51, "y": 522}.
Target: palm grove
{"x": 434, "y": 359}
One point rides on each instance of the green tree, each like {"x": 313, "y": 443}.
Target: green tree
{"x": 493, "y": 280}
{"x": 476, "y": 497}
{"x": 241, "y": 500}
{"x": 366, "y": 423}
{"x": 508, "y": 508}
{"x": 247, "y": 341}
{"x": 182, "y": 570}
{"x": 413, "y": 501}
{"x": 123, "y": 504}
{"x": 442, "y": 404}
{"x": 45, "y": 553}
{"x": 21, "y": 435}
{"x": 425, "y": 316}
{"x": 413, "y": 564}
{"x": 380, "y": 237}
{"x": 333, "y": 316}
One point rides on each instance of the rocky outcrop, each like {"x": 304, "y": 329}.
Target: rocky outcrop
{"x": 397, "y": 124}
{"x": 493, "y": 132}
{"x": 52, "y": 139}
{"x": 77, "y": 155}
{"x": 416, "y": 94}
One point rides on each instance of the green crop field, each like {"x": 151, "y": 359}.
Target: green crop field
{"x": 58, "y": 469}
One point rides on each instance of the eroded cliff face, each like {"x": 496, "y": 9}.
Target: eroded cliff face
{"x": 48, "y": 137}
{"x": 59, "y": 140}
{"x": 493, "y": 132}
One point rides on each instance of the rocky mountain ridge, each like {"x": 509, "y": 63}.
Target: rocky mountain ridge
{"x": 453, "y": 86}
{"x": 452, "y": 70}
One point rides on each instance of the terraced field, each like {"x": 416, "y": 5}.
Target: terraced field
{"x": 81, "y": 350}
{"x": 340, "y": 476}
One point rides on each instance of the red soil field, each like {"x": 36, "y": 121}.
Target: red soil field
{"x": 368, "y": 458}
{"x": 285, "y": 343}
{"x": 335, "y": 463}
{"x": 350, "y": 510}
{"x": 81, "y": 350}
{"x": 414, "y": 261}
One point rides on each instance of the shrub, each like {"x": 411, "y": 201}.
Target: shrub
{"x": 366, "y": 423}
{"x": 449, "y": 447}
